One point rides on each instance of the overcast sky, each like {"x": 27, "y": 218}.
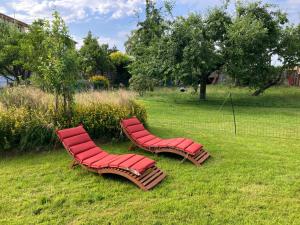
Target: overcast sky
{"x": 111, "y": 20}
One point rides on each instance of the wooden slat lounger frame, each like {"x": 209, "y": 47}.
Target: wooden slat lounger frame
{"x": 146, "y": 180}
{"x": 198, "y": 158}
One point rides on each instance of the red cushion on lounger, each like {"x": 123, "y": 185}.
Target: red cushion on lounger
{"x": 183, "y": 145}
{"x": 104, "y": 161}
{"x": 152, "y": 142}
{"x": 193, "y": 148}
{"x": 76, "y": 140}
{"x": 175, "y": 141}
{"x": 142, "y": 165}
{"x": 93, "y": 159}
{"x": 135, "y": 128}
{"x": 130, "y": 122}
{"x": 163, "y": 143}
{"x": 139, "y": 134}
{"x": 120, "y": 160}
{"x": 82, "y": 147}
{"x": 137, "y": 164}
{"x": 87, "y": 154}
{"x": 145, "y": 139}
{"x": 71, "y": 132}
{"x": 128, "y": 163}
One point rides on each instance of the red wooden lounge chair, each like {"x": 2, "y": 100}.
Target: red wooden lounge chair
{"x": 143, "y": 139}
{"x": 138, "y": 169}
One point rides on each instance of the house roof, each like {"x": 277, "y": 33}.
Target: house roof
{"x": 13, "y": 20}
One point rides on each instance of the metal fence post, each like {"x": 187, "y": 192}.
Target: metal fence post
{"x": 233, "y": 113}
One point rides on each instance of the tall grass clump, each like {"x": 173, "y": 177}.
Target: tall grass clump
{"x": 28, "y": 119}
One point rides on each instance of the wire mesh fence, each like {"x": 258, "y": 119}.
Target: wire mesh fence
{"x": 238, "y": 118}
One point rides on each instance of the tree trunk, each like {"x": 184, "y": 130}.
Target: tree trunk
{"x": 56, "y": 108}
{"x": 203, "y": 89}
{"x": 266, "y": 86}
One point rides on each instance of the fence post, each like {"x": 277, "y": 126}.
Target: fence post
{"x": 233, "y": 113}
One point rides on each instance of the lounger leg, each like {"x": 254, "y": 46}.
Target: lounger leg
{"x": 73, "y": 164}
{"x": 184, "y": 158}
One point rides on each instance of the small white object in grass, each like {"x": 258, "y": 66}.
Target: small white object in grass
{"x": 182, "y": 89}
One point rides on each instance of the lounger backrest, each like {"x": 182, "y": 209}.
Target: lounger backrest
{"x": 132, "y": 125}
{"x": 76, "y": 140}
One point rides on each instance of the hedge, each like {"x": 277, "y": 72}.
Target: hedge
{"x": 25, "y": 129}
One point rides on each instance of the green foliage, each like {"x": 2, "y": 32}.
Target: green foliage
{"x": 56, "y": 64}
{"x": 102, "y": 120}
{"x": 28, "y": 119}
{"x": 194, "y": 47}
{"x": 99, "y": 82}
{"x": 121, "y": 62}
{"x": 143, "y": 45}
{"x": 199, "y": 54}
{"x": 182, "y": 50}
{"x": 141, "y": 84}
{"x": 94, "y": 58}
{"x": 186, "y": 50}
{"x": 253, "y": 40}
{"x": 24, "y": 129}
{"x": 290, "y": 47}
{"x": 13, "y": 53}
{"x": 118, "y": 58}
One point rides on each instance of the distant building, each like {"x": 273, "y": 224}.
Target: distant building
{"x": 23, "y": 27}
{"x": 19, "y": 24}
{"x": 217, "y": 77}
{"x": 3, "y": 82}
{"x": 293, "y": 76}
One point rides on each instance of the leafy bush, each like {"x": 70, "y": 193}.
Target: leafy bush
{"x": 19, "y": 127}
{"x": 27, "y": 116}
{"x": 141, "y": 83}
{"x": 84, "y": 85}
{"x": 102, "y": 120}
{"x": 121, "y": 62}
{"x": 99, "y": 82}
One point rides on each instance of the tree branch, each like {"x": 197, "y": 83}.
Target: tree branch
{"x": 267, "y": 85}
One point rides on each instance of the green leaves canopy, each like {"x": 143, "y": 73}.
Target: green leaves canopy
{"x": 254, "y": 39}
{"x": 94, "y": 58}
{"x": 13, "y": 54}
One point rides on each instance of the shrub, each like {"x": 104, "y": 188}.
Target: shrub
{"x": 100, "y": 82}
{"x": 27, "y": 123}
{"x": 142, "y": 83}
{"x": 102, "y": 120}
{"x": 84, "y": 85}
{"x": 20, "y": 128}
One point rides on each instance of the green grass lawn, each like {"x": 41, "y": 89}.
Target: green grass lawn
{"x": 252, "y": 178}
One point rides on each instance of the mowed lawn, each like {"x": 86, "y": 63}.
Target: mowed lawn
{"x": 252, "y": 178}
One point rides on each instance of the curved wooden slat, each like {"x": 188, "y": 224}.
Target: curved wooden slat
{"x": 198, "y": 159}
{"x": 145, "y": 185}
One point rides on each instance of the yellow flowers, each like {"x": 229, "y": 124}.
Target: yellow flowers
{"x": 99, "y": 82}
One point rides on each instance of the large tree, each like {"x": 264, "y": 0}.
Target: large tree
{"x": 13, "y": 54}
{"x": 290, "y": 47}
{"x": 254, "y": 39}
{"x": 142, "y": 45}
{"x": 94, "y": 58}
{"x": 56, "y": 62}
{"x": 198, "y": 47}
